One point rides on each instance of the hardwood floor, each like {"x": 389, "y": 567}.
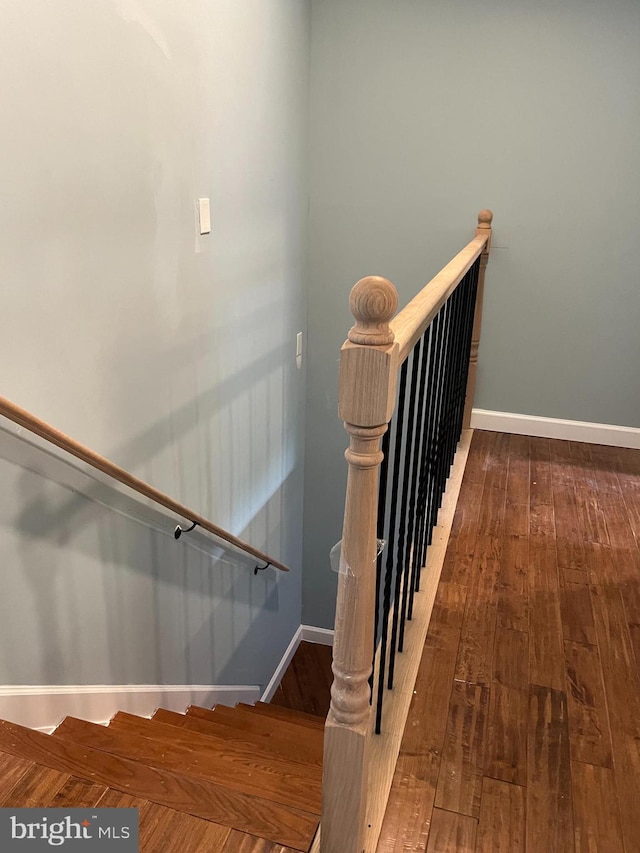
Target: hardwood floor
{"x": 524, "y": 729}
{"x": 307, "y": 682}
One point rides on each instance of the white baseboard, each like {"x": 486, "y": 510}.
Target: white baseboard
{"x": 610, "y": 434}
{"x": 44, "y": 707}
{"x": 40, "y": 707}
{"x": 322, "y": 636}
{"x": 286, "y": 659}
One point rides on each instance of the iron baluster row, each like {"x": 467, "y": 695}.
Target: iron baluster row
{"x": 419, "y": 448}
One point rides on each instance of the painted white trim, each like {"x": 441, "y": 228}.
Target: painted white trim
{"x": 610, "y": 434}
{"x": 286, "y": 659}
{"x": 322, "y": 636}
{"x": 43, "y": 707}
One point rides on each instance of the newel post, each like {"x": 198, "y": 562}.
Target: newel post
{"x": 485, "y": 218}
{"x": 368, "y": 371}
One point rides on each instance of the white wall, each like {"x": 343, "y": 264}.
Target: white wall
{"x": 172, "y": 354}
{"x": 422, "y": 114}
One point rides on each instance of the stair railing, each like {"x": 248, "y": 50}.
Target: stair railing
{"x": 422, "y": 365}
{"x": 41, "y": 428}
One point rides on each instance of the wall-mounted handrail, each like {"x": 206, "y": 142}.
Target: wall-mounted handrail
{"x": 39, "y": 427}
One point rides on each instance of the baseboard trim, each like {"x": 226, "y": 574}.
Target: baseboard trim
{"x": 310, "y": 634}
{"x": 286, "y": 659}
{"x": 43, "y": 707}
{"x": 322, "y": 636}
{"x": 609, "y": 434}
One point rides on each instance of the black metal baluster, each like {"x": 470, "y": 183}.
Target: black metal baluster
{"x": 433, "y": 428}
{"x": 425, "y": 476}
{"x": 456, "y": 355}
{"x": 472, "y": 292}
{"x": 402, "y": 562}
{"x": 389, "y": 569}
{"x": 446, "y": 400}
{"x": 460, "y": 349}
{"x": 440, "y": 395}
{"x": 382, "y": 503}
{"x": 411, "y": 459}
{"x": 450, "y": 385}
{"x": 461, "y": 346}
{"x": 415, "y": 519}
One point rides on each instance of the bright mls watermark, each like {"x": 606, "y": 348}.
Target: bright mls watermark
{"x": 82, "y": 830}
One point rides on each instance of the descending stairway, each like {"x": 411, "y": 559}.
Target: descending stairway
{"x": 229, "y": 780}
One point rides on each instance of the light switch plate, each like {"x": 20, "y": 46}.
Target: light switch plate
{"x": 204, "y": 215}
{"x": 299, "y": 350}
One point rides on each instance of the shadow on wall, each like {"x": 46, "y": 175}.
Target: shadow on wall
{"x": 192, "y": 420}
{"x": 195, "y": 420}
{"x": 97, "y": 590}
{"x": 115, "y": 600}
{"x": 192, "y": 417}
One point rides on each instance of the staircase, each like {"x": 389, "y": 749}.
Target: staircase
{"x": 229, "y": 780}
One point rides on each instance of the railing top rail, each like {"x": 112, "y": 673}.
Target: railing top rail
{"x": 30, "y": 422}
{"x": 409, "y": 325}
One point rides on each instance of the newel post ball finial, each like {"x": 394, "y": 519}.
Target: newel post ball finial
{"x": 485, "y": 217}
{"x": 373, "y": 302}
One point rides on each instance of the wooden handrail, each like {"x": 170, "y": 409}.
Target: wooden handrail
{"x": 409, "y": 324}
{"x": 30, "y": 422}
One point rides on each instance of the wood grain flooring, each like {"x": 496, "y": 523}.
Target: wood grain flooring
{"x": 200, "y": 798}
{"x": 235, "y": 780}
{"x": 306, "y": 685}
{"x": 524, "y": 729}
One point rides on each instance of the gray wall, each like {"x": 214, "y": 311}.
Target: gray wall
{"x": 172, "y": 354}
{"x": 422, "y": 113}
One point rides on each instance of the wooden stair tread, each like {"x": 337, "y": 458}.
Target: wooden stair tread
{"x": 269, "y": 780}
{"x": 288, "y": 714}
{"x": 308, "y": 751}
{"x": 248, "y": 721}
{"x": 115, "y": 799}
{"x": 266, "y": 819}
{"x": 77, "y": 793}
{"x": 37, "y": 786}
{"x": 209, "y": 744}
{"x": 212, "y": 743}
{"x": 161, "y": 828}
{"x": 43, "y": 787}
{"x": 167, "y": 830}
{"x": 239, "y": 842}
{"x": 12, "y": 769}
{"x": 171, "y": 831}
